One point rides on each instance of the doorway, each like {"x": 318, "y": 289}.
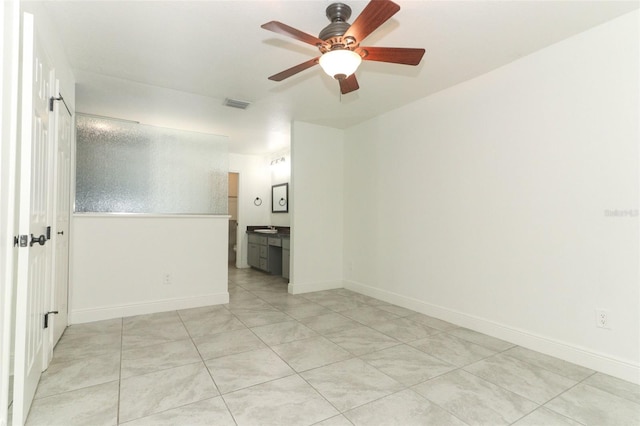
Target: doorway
{"x": 234, "y": 179}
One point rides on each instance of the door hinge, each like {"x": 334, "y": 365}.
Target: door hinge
{"x": 46, "y": 318}
{"x": 21, "y": 241}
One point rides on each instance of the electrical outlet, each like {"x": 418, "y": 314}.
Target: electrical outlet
{"x": 602, "y": 318}
{"x": 166, "y": 279}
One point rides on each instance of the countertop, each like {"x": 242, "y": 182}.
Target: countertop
{"x": 283, "y": 231}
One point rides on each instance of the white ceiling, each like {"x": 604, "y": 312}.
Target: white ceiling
{"x": 172, "y": 63}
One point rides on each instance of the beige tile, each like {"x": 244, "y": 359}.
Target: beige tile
{"x": 431, "y": 322}
{"x": 404, "y": 330}
{"x": 615, "y": 386}
{"x": 368, "y": 315}
{"x": 335, "y": 421}
{"x": 80, "y": 345}
{"x": 228, "y": 343}
{"x": 256, "y": 318}
{"x": 592, "y": 406}
{"x": 543, "y": 417}
{"x": 474, "y": 400}
{"x": 330, "y": 323}
{"x": 171, "y": 385}
{"x": 311, "y": 353}
{"x": 481, "y": 339}
{"x": 529, "y": 381}
{"x": 213, "y": 323}
{"x": 348, "y": 384}
{"x": 452, "y": 349}
{"x": 158, "y": 357}
{"x": 211, "y": 411}
{"x": 406, "y": 364}
{"x": 141, "y": 396}
{"x": 289, "y": 401}
{"x": 150, "y": 330}
{"x": 558, "y": 366}
{"x": 71, "y": 375}
{"x": 305, "y": 310}
{"x": 95, "y": 406}
{"x": 283, "y": 332}
{"x": 233, "y": 372}
{"x": 362, "y": 340}
{"x": 404, "y": 408}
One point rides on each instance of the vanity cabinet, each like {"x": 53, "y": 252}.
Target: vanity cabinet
{"x": 285, "y": 257}
{"x": 258, "y": 252}
{"x": 269, "y": 253}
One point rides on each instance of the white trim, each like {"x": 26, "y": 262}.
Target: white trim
{"x": 80, "y": 316}
{"x": 9, "y": 50}
{"x": 149, "y": 216}
{"x": 620, "y": 368}
{"x": 311, "y": 287}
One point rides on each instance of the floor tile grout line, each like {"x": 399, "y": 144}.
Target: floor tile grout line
{"x": 540, "y": 367}
{"x": 605, "y": 390}
{"x": 498, "y": 385}
{"x": 204, "y": 363}
{"x": 457, "y": 369}
{"x": 399, "y": 343}
{"x": 353, "y": 356}
{"x": 120, "y": 371}
{"x": 497, "y": 352}
{"x": 558, "y": 396}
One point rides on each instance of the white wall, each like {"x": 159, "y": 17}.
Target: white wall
{"x": 280, "y": 173}
{"x": 120, "y": 261}
{"x": 255, "y": 182}
{"x": 316, "y": 205}
{"x": 485, "y": 204}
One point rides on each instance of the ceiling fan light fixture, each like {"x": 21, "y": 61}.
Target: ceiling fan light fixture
{"x": 340, "y": 63}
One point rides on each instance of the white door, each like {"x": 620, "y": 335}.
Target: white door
{"x": 9, "y": 51}
{"x": 62, "y": 167}
{"x": 33, "y": 260}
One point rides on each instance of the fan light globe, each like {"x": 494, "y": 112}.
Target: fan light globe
{"x": 341, "y": 63}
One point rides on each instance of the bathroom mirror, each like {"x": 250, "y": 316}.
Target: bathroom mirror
{"x": 280, "y": 198}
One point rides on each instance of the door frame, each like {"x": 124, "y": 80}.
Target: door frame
{"x": 59, "y": 107}
{"x": 9, "y": 79}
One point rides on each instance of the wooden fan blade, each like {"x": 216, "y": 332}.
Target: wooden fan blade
{"x": 349, "y": 84}
{"x": 376, "y": 13}
{"x": 294, "y": 70}
{"x": 395, "y": 55}
{"x": 284, "y": 29}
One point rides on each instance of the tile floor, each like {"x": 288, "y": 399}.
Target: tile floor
{"x": 327, "y": 358}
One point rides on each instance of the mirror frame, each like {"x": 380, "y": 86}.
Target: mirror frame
{"x": 281, "y": 193}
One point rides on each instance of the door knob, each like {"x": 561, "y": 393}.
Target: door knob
{"x": 60, "y": 232}
{"x": 42, "y": 239}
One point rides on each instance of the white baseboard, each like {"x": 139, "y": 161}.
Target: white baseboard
{"x": 581, "y": 356}
{"x": 295, "y": 288}
{"x": 80, "y": 316}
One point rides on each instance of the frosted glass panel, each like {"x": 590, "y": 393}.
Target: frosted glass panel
{"x": 125, "y": 167}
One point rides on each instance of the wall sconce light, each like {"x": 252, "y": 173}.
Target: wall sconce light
{"x": 277, "y": 161}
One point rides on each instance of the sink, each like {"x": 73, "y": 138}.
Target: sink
{"x": 266, "y": 231}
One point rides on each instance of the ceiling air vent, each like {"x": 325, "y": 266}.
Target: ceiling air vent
{"x": 236, "y": 103}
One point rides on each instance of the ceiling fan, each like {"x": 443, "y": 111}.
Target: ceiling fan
{"x": 339, "y": 43}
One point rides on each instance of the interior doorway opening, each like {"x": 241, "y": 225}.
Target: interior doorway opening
{"x": 234, "y": 179}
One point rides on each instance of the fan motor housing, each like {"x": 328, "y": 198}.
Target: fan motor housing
{"x": 338, "y": 14}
